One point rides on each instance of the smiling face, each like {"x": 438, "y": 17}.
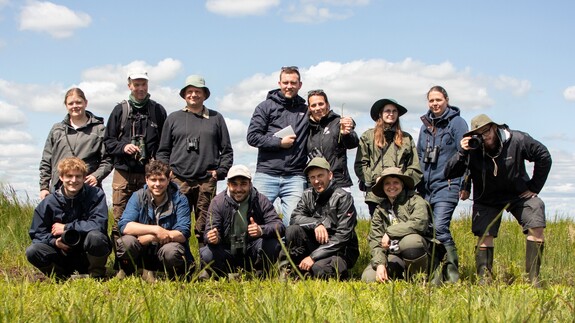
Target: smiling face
{"x": 72, "y": 182}
{"x": 139, "y": 88}
{"x": 239, "y": 188}
{"x": 157, "y": 185}
{"x": 76, "y": 106}
{"x": 318, "y": 108}
{"x": 319, "y": 178}
{"x": 289, "y": 84}
{"x": 489, "y": 134}
{"x": 194, "y": 97}
{"x": 437, "y": 103}
{"x": 392, "y": 186}
{"x": 389, "y": 114}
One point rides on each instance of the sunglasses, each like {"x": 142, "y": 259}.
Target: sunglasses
{"x": 290, "y": 68}
{"x": 315, "y": 92}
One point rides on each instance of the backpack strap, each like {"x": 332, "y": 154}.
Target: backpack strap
{"x": 126, "y": 114}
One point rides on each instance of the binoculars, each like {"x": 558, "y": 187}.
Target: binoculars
{"x": 141, "y": 143}
{"x": 71, "y": 238}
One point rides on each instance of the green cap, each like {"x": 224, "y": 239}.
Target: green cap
{"x": 318, "y": 162}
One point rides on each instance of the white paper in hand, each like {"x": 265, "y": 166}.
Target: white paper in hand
{"x": 287, "y": 131}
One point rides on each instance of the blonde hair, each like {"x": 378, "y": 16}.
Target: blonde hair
{"x": 379, "y": 133}
{"x": 69, "y": 164}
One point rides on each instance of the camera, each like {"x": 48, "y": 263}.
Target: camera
{"x": 238, "y": 244}
{"x": 476, "y": 141}
{"x": 394, "y": 247}
{"x": 431, "y": 155}
{"x": 141, "y": 143}
{"x": 71, "y": 238}
{"x": 193, "y": 144}
{"x": 315, "y": 152}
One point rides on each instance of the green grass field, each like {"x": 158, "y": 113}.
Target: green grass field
{"x": 26, "y": 297}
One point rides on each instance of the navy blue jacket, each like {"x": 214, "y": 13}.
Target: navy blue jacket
{"x": 445, "y": 132}
{"x": 270, "y": 116}
{"x": 86, "y": 212}
{"x": 324, "y": 135}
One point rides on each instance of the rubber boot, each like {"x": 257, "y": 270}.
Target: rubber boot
{"x": 533, "y": 254}
{"x": 484, "y": 264}
{"x": 451, "y": 267}
{"x": 97, "y": 267}
{"x": 436, "y": 268}
{"x": 415, "y": 266}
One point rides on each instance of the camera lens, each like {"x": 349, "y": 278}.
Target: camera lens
{"x": 475, "y": 142}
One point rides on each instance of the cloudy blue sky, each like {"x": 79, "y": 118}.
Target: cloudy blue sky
{"x": 512, "y": 60}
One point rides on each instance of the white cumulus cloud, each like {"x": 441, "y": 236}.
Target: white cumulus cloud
{"x": 233, "y": 8}
{"x": 56, "y": 20}
{"x": 10, "y": 115}
{"x": 569, "y": 93}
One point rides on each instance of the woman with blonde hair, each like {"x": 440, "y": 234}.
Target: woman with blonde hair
{"x": 80, "y": 134}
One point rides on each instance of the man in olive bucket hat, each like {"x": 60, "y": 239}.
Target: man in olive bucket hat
{"x": 196, "y": 144}
{"x": 495, "y": 157}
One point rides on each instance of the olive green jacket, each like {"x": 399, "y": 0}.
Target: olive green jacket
{"x": 411, "y": 215}
{"x": 369, "y": 162}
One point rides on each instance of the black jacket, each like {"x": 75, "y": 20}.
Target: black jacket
{"x": 325, "y": 137}
{"x": 144, "y": 122}
{"x": 271, "y": 116}
{"x": 498, "y": 186}
{"x": 223, "y": 209}
{"x": 334, "y": 209}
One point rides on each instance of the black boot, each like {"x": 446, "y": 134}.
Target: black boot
{"x": 533, "y": 254}
{"x": 484, "y": 264}
{"x": 436, "y": 268}
{"x": 451, "y": 267}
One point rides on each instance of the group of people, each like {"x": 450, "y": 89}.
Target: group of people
{"x": 167, "y": 166}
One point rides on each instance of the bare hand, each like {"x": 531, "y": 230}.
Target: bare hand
{"x": 146, "y": 239}
{"x": 60, "y": 244}
{"x": 214, "y": 174}
{"x": 254, "y": 230}
{"x": 465, "y": 143}
{"x": 163, "y": 235}
{"x": 463, "y": 195}
{"x": 321, "y": 234}
{"x": 131, "y": 149}
{"x": 91, "y": 180}
{"x": 58, "y": 229}
{"x": 385, "y": 240}
{"x": 381, "y": 274}
{"x": 44, "y": 193}
{"x": 527, "y": 195}
{"x": 287, "y": 141}
{"x": 213, "y": 237}
{"x": 345, "y": 125}
{"x": 306, "y": 263}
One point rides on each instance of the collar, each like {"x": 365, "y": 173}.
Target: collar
{"x": 204, "y": 113}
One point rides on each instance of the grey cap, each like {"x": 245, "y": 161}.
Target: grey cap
{"x": 195, "y": 81}
{"x": 239, "y": 170}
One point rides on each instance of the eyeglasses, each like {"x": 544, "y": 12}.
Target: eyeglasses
{"x": 389, "y": 112}
{"x": 482, "y": 133}
{"x": 290, "y": 68}
{"x": 315, "y": 92}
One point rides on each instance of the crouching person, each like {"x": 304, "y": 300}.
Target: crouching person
{"x": 155, "y": 228}
{"x": 69, "y": 227}
{"x": 321, "y": 237}
{"x": 399, "y": 238}
{"x": 242, "y": 229}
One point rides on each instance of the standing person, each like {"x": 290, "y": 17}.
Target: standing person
{"x": 196, "y": 144}
{"x": 69, "y": 228}
{"x": 385, "y": 145}
{"x": 155, "y": 228}
{"x": 132, "y": 137}
{"x": 243, "y": 228}
{"x": 400, "y": 237}
{"x": 80, "y": 134}
{"x": 281, "y": 160}
{"x": 321, "y": 238}
{"x": 330, "y": 136}
{"x": 495, "y": 157}
{"x": 439, "y": 138}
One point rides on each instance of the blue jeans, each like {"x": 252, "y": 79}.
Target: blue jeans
{"x": 288, "y": 189}
{"x": 442, "y": 214}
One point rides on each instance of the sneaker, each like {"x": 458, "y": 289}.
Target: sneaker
{"x": 149, "y": 276}
{"x": 204, "y": 275}
{"x": 285, "y": 273}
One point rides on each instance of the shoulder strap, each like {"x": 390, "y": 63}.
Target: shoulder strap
{"x": 126, "y": 112}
